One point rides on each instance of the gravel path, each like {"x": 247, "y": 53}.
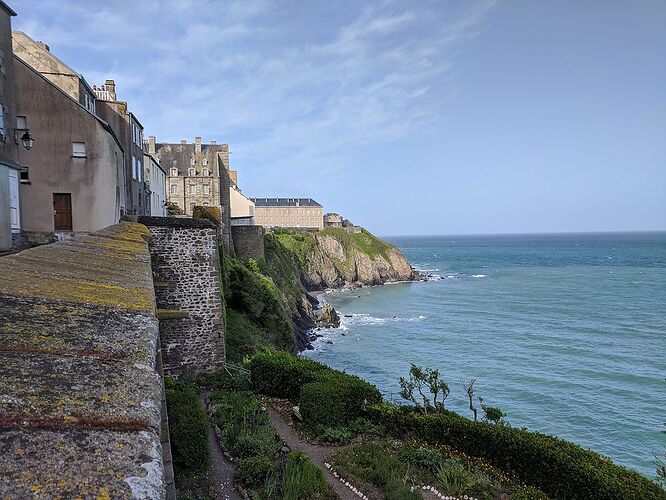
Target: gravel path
{"x": 318, "y": 454}
{"x": 221, "y": 469}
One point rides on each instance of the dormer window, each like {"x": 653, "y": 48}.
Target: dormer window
{"x": 191, "y": 161}
{"x": 174, "y": 172}
{"x": 205, "y": 172}
{"x": 204, "y": 161}
{"x": 192, "y": 172}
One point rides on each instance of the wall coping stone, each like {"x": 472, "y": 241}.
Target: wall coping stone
{"x": 170, "y": 221}
{"x": 80, "y": 394}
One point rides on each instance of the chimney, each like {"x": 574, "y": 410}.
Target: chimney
{"x": 197, "y": 144}
{"x": 151, "y": 144}
{"x": 225, "y": 155}
{"x": 183, "y": 141}
{"x": 213, "y": 142}
{"x": 233, "y": 174}
{"x": 110, "y": 85}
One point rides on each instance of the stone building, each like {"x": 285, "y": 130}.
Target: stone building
{"x": 74, "y": 177}
{"x": 156, "y": 181}
{"x": 10, "y": 136}
{"x": 332, "y": 219}
{"x": 129, "y": 130}
{"x": 289, "y": 212}
{"x": 194, "y": 171}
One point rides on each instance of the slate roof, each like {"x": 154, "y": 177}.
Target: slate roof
{"x": 284, "y": 202}
{"x": 179, "y": 156}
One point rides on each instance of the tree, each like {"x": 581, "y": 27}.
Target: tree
{"x": 173, "y": 209}
{"x": 424, "y": 381}
{"x": 469, "y": 389}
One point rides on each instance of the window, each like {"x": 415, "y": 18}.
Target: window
{"x": 133, "y": 168}
{"x": 2, "y": 122}
{"x": 205, "y": 172}
{"x": 204, "y": 161}
{"x": 21, "y": 123}
{"x": 191, "y": 161}
{"x": 79, "y": 149}
{"x": 25, "y": 175}
{"x": 193, "y": 189}
{"x": 191, "y": 207}
{"x": 192, "y": 172}
{"x": 174, "y": 172}
{"x": 206, "y": 190}
{"x": 174, "y": 188}
{"x": 139, "y": 170}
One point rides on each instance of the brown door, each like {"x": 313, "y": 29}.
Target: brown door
{"x": 62, "y": 211}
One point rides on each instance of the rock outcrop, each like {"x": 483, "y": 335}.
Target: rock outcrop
{"x": 338, "y": 260}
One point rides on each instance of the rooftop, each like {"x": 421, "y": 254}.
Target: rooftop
{"x": 285, "y": 202}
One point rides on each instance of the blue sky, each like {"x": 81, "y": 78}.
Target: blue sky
{"x": 442, "y": 117}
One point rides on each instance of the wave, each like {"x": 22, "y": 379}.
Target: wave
{"x": 479, "y": 275}
{"x": 367, "y": 319}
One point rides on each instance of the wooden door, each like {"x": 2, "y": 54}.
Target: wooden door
{"x": 62, "y": 211}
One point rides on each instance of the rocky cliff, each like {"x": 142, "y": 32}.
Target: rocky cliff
{"x": 334, "y": 258}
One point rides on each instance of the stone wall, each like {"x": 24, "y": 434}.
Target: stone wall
{"x": 80, "y": 390}
{"x": 186, "y": 273}
{"x": 248, "y": 242}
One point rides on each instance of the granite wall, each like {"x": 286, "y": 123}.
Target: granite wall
{"x": 248, "y": 242}
{"x": 186, "y": 274}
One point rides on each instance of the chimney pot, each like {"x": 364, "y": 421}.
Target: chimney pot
{"x": 183, "y": 141}
{"x": 213, "y": 142}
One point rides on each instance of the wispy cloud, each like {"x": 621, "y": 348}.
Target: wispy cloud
{"x": 293, "y": 86}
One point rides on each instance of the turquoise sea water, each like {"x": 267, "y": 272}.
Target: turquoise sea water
{"x": 566, "y": 333}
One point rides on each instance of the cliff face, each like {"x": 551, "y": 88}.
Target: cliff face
{"x": 333, "y": 258}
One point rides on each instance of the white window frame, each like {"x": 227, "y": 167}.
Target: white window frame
{"x": 174, "y": 189}
{"x": 79, "y": 150}
{"x": 204, "y": 161}
{"x": 205, "y": 172}
{"x": 193, "y": 189}
{"x": 21, "y": 122}
{"x": 133, "y": 168}
{"x": 174, "y": 172}
{"x": 206, "y": 189}
{"x": 192, "y": 172}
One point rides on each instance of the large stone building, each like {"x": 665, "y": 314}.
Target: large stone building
{"x": 10, "y": 136}
{"x": 332, "y": 220}
{"x": 197, "y": 173}
{"x": 74, "y": 178}
{"x": 129, "y": 130}
{"x": 289, "y": 212}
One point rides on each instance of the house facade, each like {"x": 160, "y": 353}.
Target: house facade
{"x": 332, "y": 220}
{"x": 241, "y": 207}
{"x": 74, "y": 179}
{"x": 156, "y": 182}
{"x": 10, "y": 213}
{"x": 129, "y": 130}
{"x": 288, "y": 212}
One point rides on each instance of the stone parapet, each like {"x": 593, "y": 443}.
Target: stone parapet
{"x": 80, "y": 392}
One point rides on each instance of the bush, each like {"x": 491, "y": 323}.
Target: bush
{"x": 559, "y": 468}
{"x": 188, "y": 427}
{"x": 527, "y": 493}
{"x": 456, "y": 479}
{"x": 281, "y": 374}
{"x": 425, "y": 458}
{"x": 301, "y": 479}
{"x": 337, "y": 399}
{"x": 252, "y": 472}
{"x": 213, "y": 214}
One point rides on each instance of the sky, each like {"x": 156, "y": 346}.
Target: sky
{"x": 422, "y": 117}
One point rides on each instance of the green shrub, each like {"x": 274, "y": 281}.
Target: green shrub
{"x": 528, "y": 493}
{"x": 335, "y": 399}
{"x": 336, "y": 435}
{"x": 281, "y": 374}
{"x": 242, "y": 336}
{"x": 425, "y": 458}
{"x": 301, "y": 480}
{"x": 397, "y": 490}
{"x": 457, "y": 479}
{"x": 252, "y": 472}
{"x": 213, "y": 214}
{"x": 559, "y": 468}
{"x": 188, "y": 427}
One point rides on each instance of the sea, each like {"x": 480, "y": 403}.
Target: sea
{"x": 566, "y": 333}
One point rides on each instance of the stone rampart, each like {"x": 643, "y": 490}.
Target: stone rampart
{"x": 248, "y": 242}
{"x": 80, "y": 392}
{"x": 186, "y": 272}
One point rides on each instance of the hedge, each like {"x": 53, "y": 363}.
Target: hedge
{"x": 559, "y": 468}
{"x": 327, "y": 397}
{"x": 188, "y": 427}
{"x": 282, "y": 375}
{"x": 336, "y": 399}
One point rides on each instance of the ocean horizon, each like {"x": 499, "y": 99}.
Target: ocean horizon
{"x": 563, "y": 331}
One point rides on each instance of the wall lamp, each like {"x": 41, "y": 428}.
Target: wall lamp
{"x": 27, "y": 140}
